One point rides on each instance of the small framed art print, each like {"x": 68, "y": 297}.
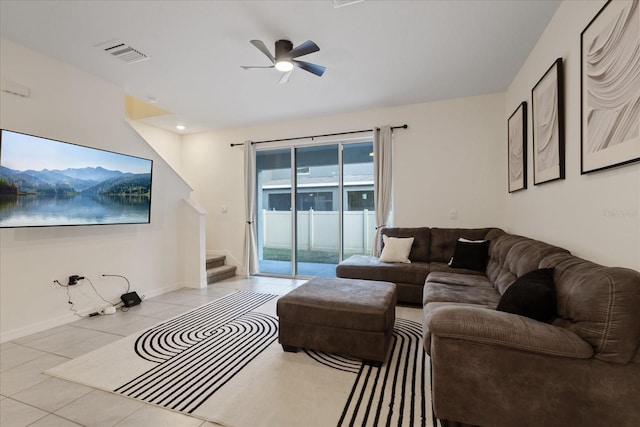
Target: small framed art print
{"x": 517, "y": 148}
{"x": 547, "y": 112}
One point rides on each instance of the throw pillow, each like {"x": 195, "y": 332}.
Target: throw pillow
{"x": 532, "y": 295}
{"x": 396, "y": 249}
{"x": 470, "y": 254}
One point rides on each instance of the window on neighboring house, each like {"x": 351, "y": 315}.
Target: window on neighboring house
{"x": 318, "y": 201}
{"x": 279, "y": 202}
{"x": 360, "y": 200}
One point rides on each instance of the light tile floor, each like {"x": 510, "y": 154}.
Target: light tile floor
{"x": 30, "y": 398}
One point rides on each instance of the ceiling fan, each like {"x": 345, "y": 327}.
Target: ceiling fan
{"x": 284, "y": 58}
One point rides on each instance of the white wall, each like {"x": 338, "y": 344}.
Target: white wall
{"x": 70, "y": 105}
{"x": 167, "y": 144}
{"x": 450, "y": 157}
{"x": 595, "y": 216}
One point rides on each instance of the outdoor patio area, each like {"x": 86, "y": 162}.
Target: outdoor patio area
{"x": 304, "y": 268}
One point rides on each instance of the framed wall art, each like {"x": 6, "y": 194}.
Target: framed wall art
{"x": 547, "y": 111}
{"x": 517, "y": 148}
{"x": 610, "y": 87}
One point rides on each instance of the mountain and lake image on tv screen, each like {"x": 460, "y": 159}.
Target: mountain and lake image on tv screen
{"x": 44, "y": 182}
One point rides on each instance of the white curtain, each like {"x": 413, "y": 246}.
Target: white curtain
{"x": 382, "y": 181}
{"x": 250, "y": 247}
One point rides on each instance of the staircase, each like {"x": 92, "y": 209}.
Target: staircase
{"x": 217, "y": 270}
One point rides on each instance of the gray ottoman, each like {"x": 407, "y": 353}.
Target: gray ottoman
{"x": 345, "y": 316}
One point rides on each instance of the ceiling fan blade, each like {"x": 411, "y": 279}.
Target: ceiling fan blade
{"x": 249, "y": 67}
{"x": 262, "y": 48}
{"x": 318, "y": 70}
{"x": 285, "y": 77}
{"x": 304, "y": 49}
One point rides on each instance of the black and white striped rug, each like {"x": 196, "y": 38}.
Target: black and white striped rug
{"x": 199, "y": 352}
{"x": 396, "y": 393}
{"x": 222, "y": 362}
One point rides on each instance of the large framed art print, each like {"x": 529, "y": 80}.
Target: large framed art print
{"x": 610, "y": 87}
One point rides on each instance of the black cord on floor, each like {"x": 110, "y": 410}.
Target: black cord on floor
{"x": 118, "y": 304}
{"x": 73, "y": 310}
{"x": 121, "y": 304}
{"x": 98, "y": 293}
{"x": 123, "y": 277}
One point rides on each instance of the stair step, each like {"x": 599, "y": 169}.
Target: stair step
{"x": 217, "y": 274}
{"x": 215, "y": 261}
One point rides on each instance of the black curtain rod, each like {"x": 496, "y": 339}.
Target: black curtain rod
{"x": 317, "y": 136}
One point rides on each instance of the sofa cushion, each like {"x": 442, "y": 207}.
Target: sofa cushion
{"x": 421, "y": 238}
{"x": 512, "y": 256}
{"x": 444, "y": 267}
{"x": 598, "y": 303}
{"x": 443, "y": 241}
{"x": 470, "y": 254}
{"x": 441, "y": 292}
{"x": 396, "y": 249}
{"x": 426, "y": 316}
{"x": 532, "y": 295}
{"x": 494, "y": 233}
{"x": 371, "y": 268}
{"x": 448, "y": 277}
{"x": 484, "y": 326}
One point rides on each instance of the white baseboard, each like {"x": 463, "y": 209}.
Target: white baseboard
{"x": 155, "y": 292}
{"x": 37, "y": 327}
{"x": 68, "y": 318}
{"x": 193, "y": 285}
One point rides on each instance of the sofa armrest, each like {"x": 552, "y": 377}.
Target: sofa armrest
{"x": 490, "y": 327}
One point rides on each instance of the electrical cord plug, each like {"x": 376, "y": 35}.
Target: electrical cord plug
{"x": 74, "y": 279}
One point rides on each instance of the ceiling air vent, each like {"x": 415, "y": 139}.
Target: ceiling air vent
{"x": 123, "y": 51}
{"x": 341, "y": 3}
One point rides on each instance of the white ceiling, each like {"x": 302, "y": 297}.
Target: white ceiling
{"x": 377, "y": 53}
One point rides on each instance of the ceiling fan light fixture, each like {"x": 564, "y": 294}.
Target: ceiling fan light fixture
{"x": 285, "y": 58}
{"x": 284, "y": 65}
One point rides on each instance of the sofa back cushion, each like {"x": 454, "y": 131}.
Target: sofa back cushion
{"x": 493, "y": 235}
{"x": 600, "y": 304}
{"x": 513, "y": 256}
{"x": 443, "y": 241}
{"x": 421, "y": 238}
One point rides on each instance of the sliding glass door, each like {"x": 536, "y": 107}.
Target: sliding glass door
{"x": 273, "y": 211}
{"x": 328, "y": 216}
{"x": 317, "y": 210}
{"x": 358, "y": 212}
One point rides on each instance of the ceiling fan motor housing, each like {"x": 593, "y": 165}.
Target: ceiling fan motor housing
{"x": 283, "y": 47}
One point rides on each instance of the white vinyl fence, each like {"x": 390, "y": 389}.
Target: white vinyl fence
{"x": 318, "y": 230}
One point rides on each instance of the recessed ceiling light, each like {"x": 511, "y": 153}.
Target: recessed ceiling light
{"x": 152, "y": 99}
{"x": 181, "y": 127}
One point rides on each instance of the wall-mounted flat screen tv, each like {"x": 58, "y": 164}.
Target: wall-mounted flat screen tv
{"x": 44, "y": 183}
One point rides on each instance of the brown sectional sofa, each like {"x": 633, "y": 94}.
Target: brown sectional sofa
{"x": 491, "y": 368}
{"x": 431, "y": 251}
